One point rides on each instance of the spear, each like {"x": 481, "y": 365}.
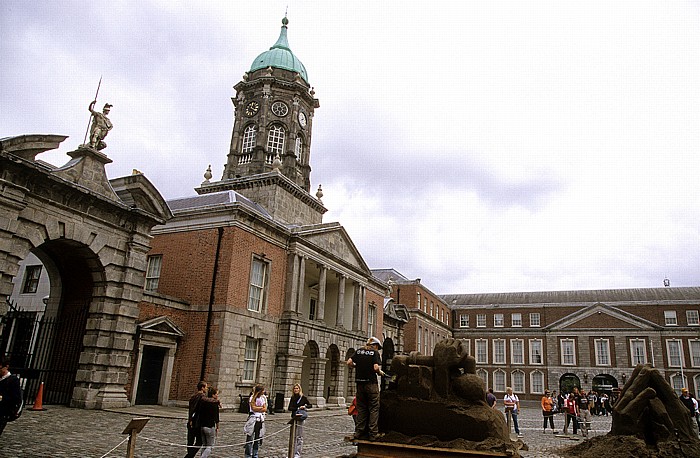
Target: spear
{"x": 88, "y": 126}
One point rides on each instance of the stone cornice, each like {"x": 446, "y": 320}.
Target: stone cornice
{"x": 260, "y": 180}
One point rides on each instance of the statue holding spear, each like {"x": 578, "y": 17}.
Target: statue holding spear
{"x": 100, "y": 123}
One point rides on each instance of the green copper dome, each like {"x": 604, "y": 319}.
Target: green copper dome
{"x": 280, "y": 56}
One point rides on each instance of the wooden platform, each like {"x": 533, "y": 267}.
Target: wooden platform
{"x": 367, "y": 449}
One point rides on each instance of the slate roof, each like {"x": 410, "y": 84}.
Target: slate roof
{"x": 632, "y": 295}
{"x": 215, "y": 199}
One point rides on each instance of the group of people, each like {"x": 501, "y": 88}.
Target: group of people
{"x": 203, "y": 420}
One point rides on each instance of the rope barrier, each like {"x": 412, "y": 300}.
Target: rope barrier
{"x": 241, "y": 444}
{"x": 116, "y": 447}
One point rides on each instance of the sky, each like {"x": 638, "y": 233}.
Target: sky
{"x": 493, "y": 146}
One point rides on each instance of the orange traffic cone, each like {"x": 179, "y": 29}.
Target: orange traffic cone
{"x": 39, "y": 398}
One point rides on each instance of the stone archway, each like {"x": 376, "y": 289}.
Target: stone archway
{"x": 94, "y": 234}
{"x": 604, "y": 383}
{"x": 333, "y": 382}
{"x": 311, "y": 377}
{"x": 568, "y": 381}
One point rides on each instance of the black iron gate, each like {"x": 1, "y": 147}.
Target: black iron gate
{"x": 45, "y": 350}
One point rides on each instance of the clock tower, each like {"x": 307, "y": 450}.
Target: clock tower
{"x": 268, "y": 160}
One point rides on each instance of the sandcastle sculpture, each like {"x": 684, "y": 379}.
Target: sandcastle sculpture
{"x": 441, "y": 396}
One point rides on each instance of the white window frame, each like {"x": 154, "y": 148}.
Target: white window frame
{"x": 497, "y": 385}
{"x": 32, "y": 275}
{"x": 637, "y": 357}
{"x": 602, "y": 352}
{"x": 674, "y": 344}
{"x": 298, "y": 144}
{"x": 517, "y": 355}
{"x": 371, "y": 319}
{"x": 485, "y": 347}
{"x": 418, "y": 300}
{"x": 564, "y": 356}
{"x": 155, "y": 265}
{"x": 498, "y": 320}
{"x": 516, "y": 320}
{"x": 517, "y": 380}
{"x": 499, "y": 351}
{"x": 696, "y": 382}
{"x": 250, "y": 359}
{"x": 464, "y": 321}
{"x": 692, "y": 317}
{"x": 535, "y": 320}
{"x": 536, "y": 376}
{"x": 480, "y": 320}
{"x": 420, "y": 338}
{"x": 257, "y": 286}
{"x": 426, "y": 344}
{"x": 467, "y": 344}
{"x": 694, "y": 349}
{"x": 484, "y": 375}
{"x": 670, "y": 318}
{"x": 533, "y": 354}
{"x": 275, "y": 140}
{"x": 677, "y": 382}
{"x": 248, "y": 142}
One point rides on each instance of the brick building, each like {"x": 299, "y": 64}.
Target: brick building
{"x": 246, "y": 284}
{"x": 429, "y": 315}
{"x": 551, "y": 340}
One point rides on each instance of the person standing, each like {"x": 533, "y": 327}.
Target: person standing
{"x": 547, "y": 404}
{"x": 491, "y": 399}
{"x": 687, "y": 401}
{"x": 572, "y": 412}
{"x": 10, "y": 395}
{"x": 255, "y": 425}
{"x": 208, "y": 412}
{"x": 297, "y": 406}
{"x": 194, "y": 431}
{"x": 583, "y": 403}
{"x": 512, "y": 403}
{"x": 367, "y": 363}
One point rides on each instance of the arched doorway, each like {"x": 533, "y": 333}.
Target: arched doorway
{"x": 310, "y": 382}
{"x": 604, "y": 383}
{"x": 568, "y": 381}
{"x": 332, "y": 381}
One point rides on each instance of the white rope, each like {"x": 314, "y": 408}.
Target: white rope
{"x": 116, "y": 447}
{"x": 171, "y": 444}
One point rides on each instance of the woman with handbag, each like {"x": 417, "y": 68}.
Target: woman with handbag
{"x": 254, "y": 428}
{"x": 298, "y": 404}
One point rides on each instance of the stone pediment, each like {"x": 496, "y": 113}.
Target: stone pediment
{"x": 602, "y": 316}
{"x": 160, "y": 325}
{"x": 332, "y": 239}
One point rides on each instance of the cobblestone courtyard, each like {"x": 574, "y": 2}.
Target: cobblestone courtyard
{"x": 64, "y": 432}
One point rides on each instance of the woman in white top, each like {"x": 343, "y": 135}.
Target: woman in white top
{"x": 512, "y": 403}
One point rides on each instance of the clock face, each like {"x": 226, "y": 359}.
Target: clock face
{"x": 252, "y": 108}
{"x": 302, "y": 119}
{"x": 280, "y": 109}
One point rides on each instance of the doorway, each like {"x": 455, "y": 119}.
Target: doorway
{"x": 150, "y": 375}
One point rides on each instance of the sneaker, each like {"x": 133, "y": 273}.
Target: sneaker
{"x": 520, "y": 435}
{"x": 544, "y": 431}
{"x": 377, "y": 437}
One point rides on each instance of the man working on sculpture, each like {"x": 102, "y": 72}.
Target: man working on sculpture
{"x": 367, "y": 364}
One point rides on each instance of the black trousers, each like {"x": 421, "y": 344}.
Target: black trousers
{"x": 194, "y": 440}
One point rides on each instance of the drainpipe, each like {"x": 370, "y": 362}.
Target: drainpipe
{"x": 211, "y": 303}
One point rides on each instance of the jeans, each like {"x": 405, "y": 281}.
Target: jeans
{"x": 585, "y": 422}
{"x": 194, "y": 440}
{"x": 209, "y": 438}
{"x": 298, "y": 438}
{"x": 514, "y": 415}
{"x": 253, "y": 442}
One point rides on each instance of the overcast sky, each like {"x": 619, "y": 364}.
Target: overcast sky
{"x": 480, "y": 146}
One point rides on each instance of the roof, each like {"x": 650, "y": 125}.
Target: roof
{"x": 280, "y": 56}
{"x": 387, "y": 275}
{"x": 657, "y": 295}
{"x": 215, "y": 199}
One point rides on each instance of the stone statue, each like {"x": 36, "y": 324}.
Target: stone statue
{"x": 100, "y": 127}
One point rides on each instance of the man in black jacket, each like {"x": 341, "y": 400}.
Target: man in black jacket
{"x": 194, "y": 430}
{"x": 367, "y": 363}
{"x": 10, "y": 395}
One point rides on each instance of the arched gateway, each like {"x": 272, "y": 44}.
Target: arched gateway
{"x": 92, "y": 235}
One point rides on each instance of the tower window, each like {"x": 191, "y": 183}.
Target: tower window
{"x": 297, "y": 148}
{"x": 248, "y": 139}
{"x": 275, "y": 141}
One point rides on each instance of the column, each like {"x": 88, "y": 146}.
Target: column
{"x": 355, "y": 307}
{"x": 363, "y": 305}
{"x": 320, "y": 315}
{"x": 291, "y": 302}
{"x": 302, "y": 280}
{"x": 339, "y": 319}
